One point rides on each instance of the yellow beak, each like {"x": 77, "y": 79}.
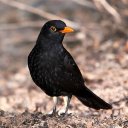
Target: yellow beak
{"x": 66, "y": 30}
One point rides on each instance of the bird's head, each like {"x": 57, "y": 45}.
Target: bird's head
{"x": 55, "y": 30}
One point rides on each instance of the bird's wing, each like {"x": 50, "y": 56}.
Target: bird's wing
{"x": 72, "y": 78}
{"x": 72, "y": 68}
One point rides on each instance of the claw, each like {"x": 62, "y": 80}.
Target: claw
{"x": 53, "y": 111}
{"x": 64, "y": 110}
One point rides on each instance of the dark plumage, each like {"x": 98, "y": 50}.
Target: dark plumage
{"x": 53, "y": 69}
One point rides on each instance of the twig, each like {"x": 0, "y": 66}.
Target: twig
{"x": 110, "y": 9}
{"x": 39, "y": 12}
{"x": 13, "y": 26}
{"x": 85, "y": 3}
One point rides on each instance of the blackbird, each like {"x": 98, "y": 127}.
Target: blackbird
{"x": 54, "y": 70}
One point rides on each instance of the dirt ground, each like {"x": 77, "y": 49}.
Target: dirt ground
{"x": 101, "y": 52}
{"x": 106, "y": 73}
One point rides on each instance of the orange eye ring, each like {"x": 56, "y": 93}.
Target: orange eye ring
{"x": 53, "y": 28}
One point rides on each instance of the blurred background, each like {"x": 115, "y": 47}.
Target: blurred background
{"x": 99, "y": 46}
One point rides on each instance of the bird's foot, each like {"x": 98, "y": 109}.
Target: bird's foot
{"x": 52, "y": 113}
{"x": 63, "y": 112}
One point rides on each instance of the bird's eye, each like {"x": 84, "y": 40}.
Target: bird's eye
{"x": 53, "y": 28}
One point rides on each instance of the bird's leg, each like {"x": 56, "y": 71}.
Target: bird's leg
{"x": 53, "y": 111}
{"x": 64, "y": 110}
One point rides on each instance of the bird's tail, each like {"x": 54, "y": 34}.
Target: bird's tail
{"x": 88, "y": 98}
